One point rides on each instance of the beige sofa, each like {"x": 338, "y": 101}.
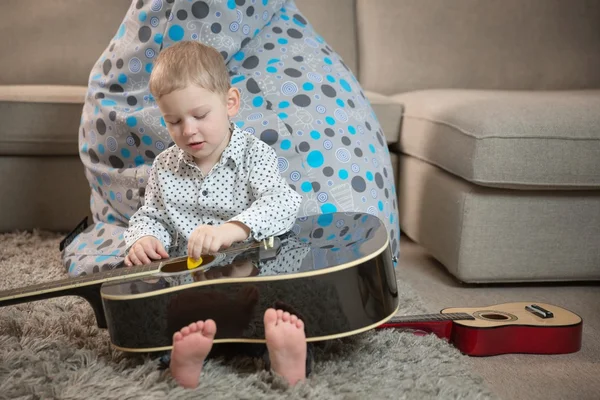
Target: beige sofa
{"x": 498, "y": 146}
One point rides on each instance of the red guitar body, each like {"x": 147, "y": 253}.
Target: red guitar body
{"x": 534, "y": 328}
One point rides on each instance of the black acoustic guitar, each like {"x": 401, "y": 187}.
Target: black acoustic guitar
{"x": 335, "y": 271}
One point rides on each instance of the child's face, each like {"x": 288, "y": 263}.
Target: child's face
{"x": 198, "y": 120}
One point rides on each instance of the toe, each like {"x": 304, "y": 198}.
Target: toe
{"x": 177, "y": 336}
{"x": 193, "y": 327}
{"x": 279, "y": 314}
{"x": 300, "y": 324}
{"x": 270, "y": 317}
{"x": 293, "y": 319}
{"x": 209, "y": 329}
{"x": 185, "y": 331}
{"x": 286, "y": 316}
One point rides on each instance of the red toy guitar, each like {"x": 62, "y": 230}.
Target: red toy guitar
{"x": 535, "y": 328}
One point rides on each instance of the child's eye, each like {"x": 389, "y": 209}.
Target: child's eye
{"x": 200, "y": 117}
{"x": 172, "y": 123}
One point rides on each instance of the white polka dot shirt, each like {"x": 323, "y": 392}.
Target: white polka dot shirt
{"x": 245, "y": 186}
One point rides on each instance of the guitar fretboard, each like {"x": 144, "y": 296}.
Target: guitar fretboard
{"x": 71, "y": 283}
{"x": 431, "y": 318}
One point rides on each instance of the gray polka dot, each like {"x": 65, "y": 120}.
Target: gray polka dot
{"x": 251, "y": 62}
{"x": 379, "y": 180}
{"x": 301, "y": 100}
{"x": 200, "y": 9}
{"x": 112, "y": 115}
{"x": 100, "y": 126}
{"x": 346, "y": 141}
{"x": 105, "y": 244}
{"x": 136, "y": 139}
{"x": 359, "y": 184}
{"x": 316, "y": 186}
{"x": 215, "y": 28}
{"x": 329, "y": 132}
{"x": 144, "y": 34}
{"x": 294, "y": 73}
{"x": 317, "y": 233}
{"x": 294, "y": 33}
{"x": 252, "y": 86}
{"x": 114, "y": 88}
{"x": 358, "y": 152}
{"x": 129, "y": 194}
{"x": 93, "y": 156}
{"x": 328, "y": 91}
{"x": 106, "y": 67}
{"x": 300, "y": 19}
{"x": 328, "y": 171}
{"x": 131, "y": 100}
{"x": 304, "y": 146}
{"x": 182, "y": 15}
{"x": 269, "y": 136}
{"x": 116, "y": 162}
{"x": 120, "y": 63}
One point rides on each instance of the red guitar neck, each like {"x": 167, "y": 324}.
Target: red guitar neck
{"x": 438, "y": 324}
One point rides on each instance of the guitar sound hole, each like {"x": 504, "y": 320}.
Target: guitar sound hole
{"x": 495, "y": 316}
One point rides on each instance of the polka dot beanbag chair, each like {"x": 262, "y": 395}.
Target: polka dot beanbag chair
{"x": 297, "y": 95}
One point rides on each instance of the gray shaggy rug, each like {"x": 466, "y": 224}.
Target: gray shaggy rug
{"x": 52, "y": 349}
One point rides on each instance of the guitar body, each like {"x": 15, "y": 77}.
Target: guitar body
{"x": 534, "y": 328}
{"x": 339, "y": 278}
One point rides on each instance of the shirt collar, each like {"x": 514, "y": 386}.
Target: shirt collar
{"x": 234, "y": 149}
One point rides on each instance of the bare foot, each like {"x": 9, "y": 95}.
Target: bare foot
{"x": 191, "y": 345}
{"x": 286, "y": 342}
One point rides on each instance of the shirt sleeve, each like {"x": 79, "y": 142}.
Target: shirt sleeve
{"x": 276, "y": 204}
{"x": 152, "y": 218}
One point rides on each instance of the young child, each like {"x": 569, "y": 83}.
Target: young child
{"x": 216, "y": 186}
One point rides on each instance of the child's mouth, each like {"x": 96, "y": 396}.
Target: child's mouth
{"x": 196, "y": 145}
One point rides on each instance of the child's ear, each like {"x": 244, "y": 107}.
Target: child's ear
{"x": 233, "y": 101}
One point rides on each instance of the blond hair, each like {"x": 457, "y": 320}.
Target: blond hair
{"x": 187, "y": 63}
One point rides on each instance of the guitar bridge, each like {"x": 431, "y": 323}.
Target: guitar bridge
{"x": 269, "y": 248}
{"x": 539, "y": 311}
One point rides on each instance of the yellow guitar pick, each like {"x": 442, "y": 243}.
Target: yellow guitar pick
{"x": 192, "y": 264}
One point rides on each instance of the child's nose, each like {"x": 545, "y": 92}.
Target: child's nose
{"x": 189, "y": 128}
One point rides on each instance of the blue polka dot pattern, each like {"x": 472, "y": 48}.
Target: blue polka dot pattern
{"x": 297, "y": 95}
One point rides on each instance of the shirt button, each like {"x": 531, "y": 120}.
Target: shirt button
{"x": 205, "y": 193}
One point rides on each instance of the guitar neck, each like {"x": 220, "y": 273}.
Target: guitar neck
{"x": 71, "y": 286}
{"x": 430, "y": 318}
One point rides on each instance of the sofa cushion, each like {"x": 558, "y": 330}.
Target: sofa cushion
{"x": 55, "y": 42}
{"x": 407, "y": 45}
{"x": 40, "y": 120}
{"x": 511, "y": 139}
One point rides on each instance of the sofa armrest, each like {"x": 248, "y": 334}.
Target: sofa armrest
{"x": 389, "y": 113}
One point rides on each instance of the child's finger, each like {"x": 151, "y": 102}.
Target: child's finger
{"x": 196, "y": 250}
{"x": 150, "y": 252}
{"x": 215, "y": 245}
{"x": 161, "y": 250}
{"x": 141, "y": 255}
{"x": 206, "y": 244}
{"x": 132, "y": 257}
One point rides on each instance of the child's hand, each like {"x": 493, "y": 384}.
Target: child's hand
{"x": 208, "y": 239}
{"x": 145, "y": 249}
